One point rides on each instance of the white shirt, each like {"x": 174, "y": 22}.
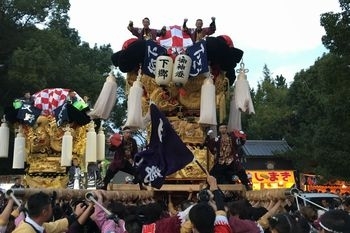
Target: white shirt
{"x": 34, "y": 224}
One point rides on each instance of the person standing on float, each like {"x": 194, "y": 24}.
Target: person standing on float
{"x": 226, "y": 149}
{"x": 124, "y": 149}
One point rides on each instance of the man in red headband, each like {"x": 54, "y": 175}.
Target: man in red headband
{"x": 124, "y": 149}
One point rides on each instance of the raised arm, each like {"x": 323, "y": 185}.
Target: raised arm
{"x": 5, "y": 215}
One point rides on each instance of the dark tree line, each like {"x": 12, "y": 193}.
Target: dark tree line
{"x": 312, "y": 114}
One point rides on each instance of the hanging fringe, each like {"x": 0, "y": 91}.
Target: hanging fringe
{"x": 67, "y": 148}
{"x": 101, "y": 144}
{"x": 208, "y": 103}
{"x": 242, "y": 92}
{"x": 222, "y": 107}
{"x": 4, "y": 139}
{"x": 134, "y": 114}
{"x": 234, "y": 119}
{"x": 90, "y": 148}
{"x": 19, "y": 150}
{"x": 106, "y": 100}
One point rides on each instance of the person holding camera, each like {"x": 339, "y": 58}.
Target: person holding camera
{"x": 39, "y": 215}
{"x": 209, "y": 214}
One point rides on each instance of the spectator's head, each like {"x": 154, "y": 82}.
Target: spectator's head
{"x": 257, "y": 212}
{"x": 309, "y": 213}
{"x": 185, "y": 204}
{"x": 346, "y": 204}
{"x": 335, "y": 221}
{"x": 26, "y": 94}
{"x": 151, "y": 212}
{"x": 133, "y": 224}
{"x": 283, "y": 223}
{"x": 71, "y": 93}
{"x": 75, "y": 162}
{"x": 240, "y": 208}
{"x": 202, "y": 217}
{"x": 325, "y": 203}
{"x": 18, "y": 181}
{"x": 39, "y": 207}
{"x": 117, "y": 208}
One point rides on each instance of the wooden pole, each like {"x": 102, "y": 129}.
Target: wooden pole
{"x": 68, "y": 194}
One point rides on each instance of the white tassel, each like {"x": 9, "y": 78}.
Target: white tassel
{"x": 134, "y": 115}
{"x": 106, "y": 100}
{"x": 67, "y": 149}
{"x": 4, "y": 139}
{"x": 242, "y": 92}
{"x": 19, "y": 150}
{"x": 101, "y": 145}
{"x": 208, "y": 103}
{"x": 234, "y": 120}
{"x": 90, "y": 152}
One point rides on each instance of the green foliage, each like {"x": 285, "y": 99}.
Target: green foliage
{"x": 271, "y": 118}
{"x": 53, "y": 57}
{"x": 118, "y": 115}
{"x": 321, "y": 107}
{"x": 337, "y": 26}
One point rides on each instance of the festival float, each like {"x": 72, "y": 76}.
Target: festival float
{"x": 193, "y": 84}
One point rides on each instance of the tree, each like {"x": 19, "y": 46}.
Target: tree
{"x": 52, "y": 55}
{"x": 118, "y": 116}
{"x": 321, "y": 107}
{"x": 337, "y": 26}
{"x": 271, "y": 119}
{"x": 319, "y": 99}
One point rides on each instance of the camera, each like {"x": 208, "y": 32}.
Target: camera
{"x": 203, "y": 195}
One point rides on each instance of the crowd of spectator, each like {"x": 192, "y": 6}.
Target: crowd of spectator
{"x": 209, "y": 210}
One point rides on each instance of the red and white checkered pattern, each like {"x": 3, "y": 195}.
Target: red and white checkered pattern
{"x": 49, "y": 99}
{"x": 175, "y": 37}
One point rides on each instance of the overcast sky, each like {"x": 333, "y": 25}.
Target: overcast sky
{"x": 283, "y": 34}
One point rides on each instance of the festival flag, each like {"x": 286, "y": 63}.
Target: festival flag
{"x": 28, "y": 114}
{"x": 198, "y": 54}
{"x": 61, "y": 114}
{"x": 175, "y": 41}
{"x": 153, "y": 50}
{"x": 166, "y": 153}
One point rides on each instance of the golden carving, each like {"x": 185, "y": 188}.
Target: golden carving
{"x": 44, "y": 140}
{"x": 43, "y": 146}
{"x": 182, "y": 111}
{"x": 46, "y": 182}
{"x": 192, "y": 170}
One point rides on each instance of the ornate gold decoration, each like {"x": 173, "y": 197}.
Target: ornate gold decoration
{"x": 181, "y": 111}
{"x": 192, "y": 170}
{"x": 43, "y": 147}
{"x": 46, "y": 182}
{"x": 44, "y": 140}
